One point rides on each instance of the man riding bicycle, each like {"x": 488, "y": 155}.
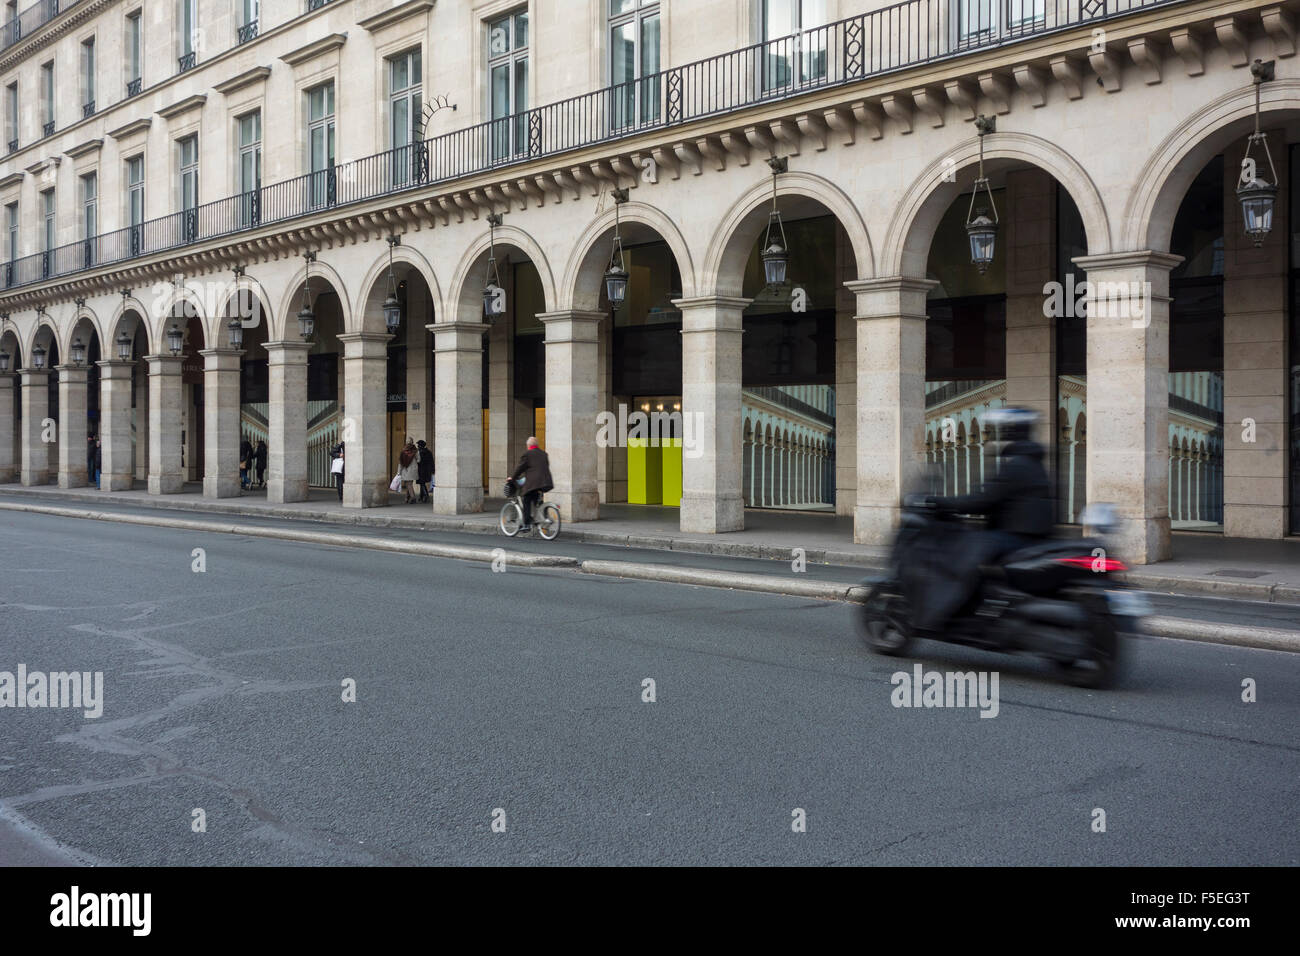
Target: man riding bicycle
{"x": 535, "y": 468}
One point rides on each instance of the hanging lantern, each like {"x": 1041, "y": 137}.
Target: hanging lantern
{"x": 616, "y": 274}
{"x": 236, "y": 330}
{"x": 1257, "y": 195}
{"x": 4, "y": 361}
{"x": 392, "y": 307}
{"x": 981, "y": 230}
{"x": 776, "y": 249}
{"x": 78, "y": 352}
{"x": 306, "y": 317}
{"x": 123, "y": 346}
{"x": 38, "y": 357}
{"x": 175, "y": 339}
{"x": 494, "y": 295}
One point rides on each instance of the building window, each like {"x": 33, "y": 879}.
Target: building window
{"x": 978, "y": 22}
{"x": 320, "y": 145}
{"x": 188, "y": 25}
{"x": 134, "y": 38}
{"x": 634, "y": 61}
{"x": 508, "y": 82}
{"x": 249, "y": 132}
{"x": 11, "y": 115}
{"x": 89, "y": 214}
{"x": 11, "y": 224}
{"x": 793, "y": 56}
{"x": 48, "y": 233}
{"x": 88, "y": 76}
{"x": 188, "y": 180}
{"x": 47, "y": 98}
{"x": 405, "y": 113}
{"x": 135, "y": 202}
{"x": 248, "y": 24}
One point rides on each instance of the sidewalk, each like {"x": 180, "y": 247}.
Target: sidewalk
{"x": 1203, "y": 564}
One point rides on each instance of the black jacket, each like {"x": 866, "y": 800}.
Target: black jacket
{"x": 425, "y": 463}
{"x": 246, "y": 451}
{"x": 535, "y": 467}
{"x": 260, "y": 456}
{"x": 1018, "y": 499}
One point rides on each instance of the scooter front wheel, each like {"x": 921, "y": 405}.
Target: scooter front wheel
{"x": 882, "y": 623}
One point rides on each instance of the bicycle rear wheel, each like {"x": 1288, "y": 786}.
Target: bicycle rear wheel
{"x": 512, "y": 518}
{"x": 549, "y": 526}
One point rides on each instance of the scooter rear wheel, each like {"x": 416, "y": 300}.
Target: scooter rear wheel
{"x": 882, "y": 623}
{"x": 1101, "y": 668}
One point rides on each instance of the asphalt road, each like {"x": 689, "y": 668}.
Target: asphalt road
{"x": 522, "y": 691}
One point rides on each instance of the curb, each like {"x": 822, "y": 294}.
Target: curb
{"x": 1166, "y": 627}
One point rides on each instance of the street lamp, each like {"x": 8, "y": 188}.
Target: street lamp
{"x": 78, "y": 352}
{"x": 1256, "y": 195}
{"x": 307, "y": 318}
{"x": 981, "y": 230}
{"x": 392, "y": 308}
{"x": 4, "y": 361}
{"x": 175, "y": 339}
{"x": 38, "y": 357}
{"x": 776, "y": 250}
{"x": 616, "y": 274}
{"x": 236, "y": 330}
{"x": 494, "y": 295}
{"x": 123, "y": 346}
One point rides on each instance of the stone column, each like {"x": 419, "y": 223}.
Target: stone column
{"x": 846, "y": 383}
{"x": 116, "y": 467}
{"x": 165, "y": 393}
{"x": 36, "y": 408}
{"x": 611, "y": 462}
{"x": 1128, "y": 396}
{"x": 1030, "y": 244}
{"x": 140, "y": 419}
{"x": 501, "y": 402}
{"x": 73, "y": 384}
{"x": 221, "y": 438}
{"x": 1255, "y": 361}
{"x": 286, "y": 456}
{"x": 9, "y": 464}
{"x": 711, "y": 413}
{"x": 365, "y": 419}
{"x": 572, "y": 368}
{"x": 458, "y": 461}
{"x": 891, "y": 400}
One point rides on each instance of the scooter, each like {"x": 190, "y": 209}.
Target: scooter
{"x": 1055, "y": 599}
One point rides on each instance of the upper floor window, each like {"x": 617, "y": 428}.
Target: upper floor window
{"x": 249, "y": 12}
{"x": 187, "y": 154}
{"x": 47, "y": 215}
{"x": 792, "y": 55}
{"x": 11, "y": 115}
{"x": 405, "y": 112}
{"x": 89, "y": 214}
{"x": 134, "y": 39}
{"x": 187, "y": 23}
{"x": 634, "y": 61}
{"x": 135, "y": 201}
{"x": 249, "y": 172}
{"x": 47, "y": 98}
{"x": 11, "y": 227}
{"x": 320, "y": 144}
{"x": 979, "y": 22}
{"x": 508, "y": 81}
{"x": 88, "y": 76}
{"x": 12, "y": 28}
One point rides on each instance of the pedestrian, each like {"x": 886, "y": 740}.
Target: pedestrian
{"x": 426, "y": 469}
{"x": 336, "y": 469}
{"x": 409, "y": 470}
{"x": 245, "y": 461}
{"x": 535, "y": 470}
{"x": 90, "y": 457}
{"x": 98, "y": 463}
{"x": 260, "y": 457}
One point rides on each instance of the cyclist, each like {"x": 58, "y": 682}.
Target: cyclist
{"x": 535, "y": 468}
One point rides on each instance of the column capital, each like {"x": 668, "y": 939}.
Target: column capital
{"x": 891, "y": 297}
{"x": 7, "y": 379}
{"x": 288, "y": 346}
{"x": 114, "y": 363}
{"x": 71, "y": 373}
{"x": 164, "y": 364}
{"x": 34, "y": 376}
{"x": 221, "y": 360}
{"x": 1142, "y": 258}
{"x": 572, "y": 315}
{"x": 457, "y": 326}
{"x": 712, "y": 302}
{"x": 571, "y": 326}
{"x": 364, "y": 345}
{"x": 364, "y": 337}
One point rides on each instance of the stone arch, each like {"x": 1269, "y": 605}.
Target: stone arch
{"x": 724, "y": 262}
{"x": 1158, "y": 192}
{"x": 11, "y": 341}
{"x": 467, "y": 287}
{"x": 290, "y": 302}
{"x": 374, "y": 287}
{"x": 244, "y": 284}
{"x": 131, "y": 314}
{"x": 906, "y": 249}
{"x": 45, "y": 333}
{"x": 581, "y": 280}
{"x": 82, "y": 317}
{"x": 181, "y": 295}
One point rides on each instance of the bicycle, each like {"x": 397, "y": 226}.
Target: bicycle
{"x": 512, "y": 515}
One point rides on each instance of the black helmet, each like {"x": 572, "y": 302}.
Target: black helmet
{"x": 1013, "y": 424}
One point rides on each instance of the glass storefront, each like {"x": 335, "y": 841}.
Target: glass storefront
{"x": 1293, "y": 419}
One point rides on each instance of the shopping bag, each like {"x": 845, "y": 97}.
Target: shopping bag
{"x": 396, "y": 483}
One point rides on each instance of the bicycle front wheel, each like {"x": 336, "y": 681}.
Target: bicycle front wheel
{"x": 549, "y": 526}
{"x": 512, "y": 518}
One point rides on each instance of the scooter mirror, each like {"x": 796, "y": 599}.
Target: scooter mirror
{"x": 1100, "y": 515}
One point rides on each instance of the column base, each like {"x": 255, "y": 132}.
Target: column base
{"x": 712, "y": 514}
{"x": 280, "y": 492}
{"x": 8, "y": 476}
{"x": 875, "y": 524}
{"x": 1140, "y": 540}
{"x": 116, "y": 482}
{"x": 221, "y": 488}
{"x": 41, "y": 477}
{"x": 458, "y": 501}
{"x": 365, "y": 496}
{"x": 580, "y": 506}
{"x": 1254, "y": 521}
{"x": 165, "y": 484}
{"x": 72, "y": 479}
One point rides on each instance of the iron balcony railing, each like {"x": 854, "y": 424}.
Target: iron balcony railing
{"x": 848, "y": 51}
{"x": 88, "y": 109}
{"x": 247, "y": 32}
{"x": 186, "y": 61}
{"x": 133, "y": 87}
{"x": 32, "y": 19}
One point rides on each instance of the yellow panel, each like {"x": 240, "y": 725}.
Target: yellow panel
{"x": 539, "y": 426}
{"x": 672, "y": 472}
{"x": 644, "y": 472}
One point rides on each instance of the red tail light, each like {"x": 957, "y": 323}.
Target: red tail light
{"x": 1091, "y": 563}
